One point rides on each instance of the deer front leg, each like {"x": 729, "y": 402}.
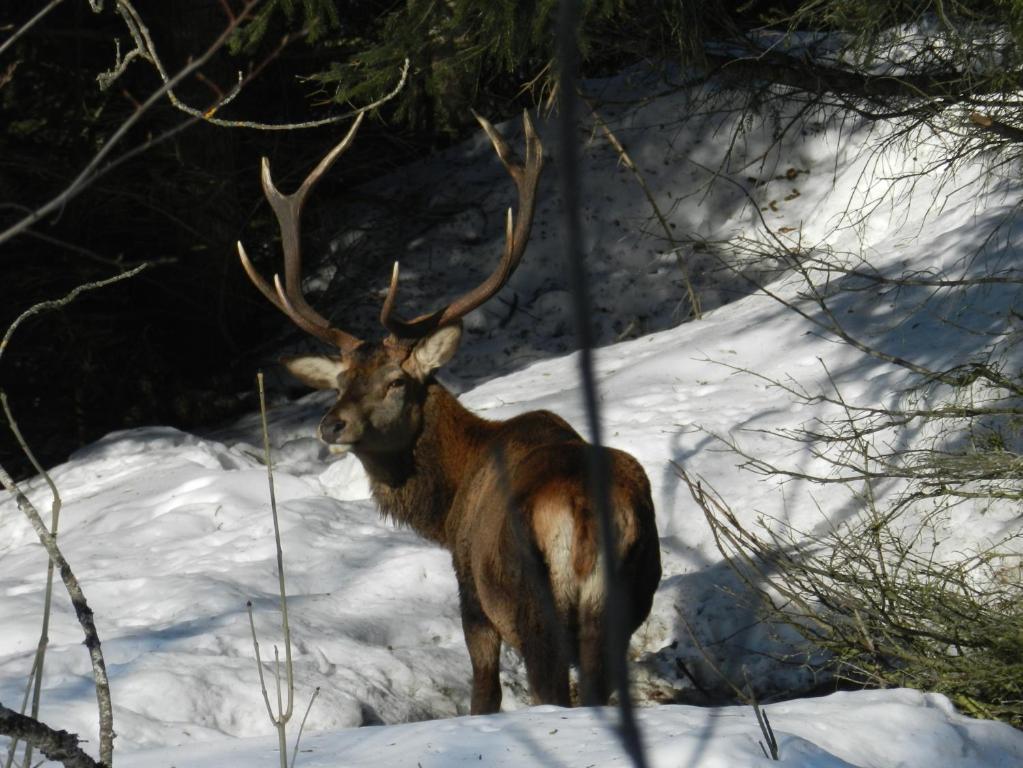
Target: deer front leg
{"x": 484, "y": 644}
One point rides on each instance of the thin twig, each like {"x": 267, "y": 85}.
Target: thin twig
{"x": 301, "y": 727}
{"x": 283, "y": 714}
{"x": 45, "y": 306}
{"x": 768, "y": 731}
{"x": 771, "y": 750}
{"x": 28, "y": 25}
{"x": 12, "y": 748}
{"x": 259, "y": 664}
{"x": 286, "y": 712}
{"x": 208, "y": 116}
{"x": 694, "y": 299}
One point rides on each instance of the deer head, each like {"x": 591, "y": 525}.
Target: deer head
{"x": 381, "y": 384}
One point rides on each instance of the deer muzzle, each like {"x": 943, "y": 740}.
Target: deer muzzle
{"x": 339, "y": 433}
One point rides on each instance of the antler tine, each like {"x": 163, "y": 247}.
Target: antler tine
{"x": 256, "y": 278}
{"x": 277, "y": 297}
{"x": 330, "y": 335}
{"x": 288, "y": 211}
{"x": 405, "y": 329}
{"x": 517, "y": 228}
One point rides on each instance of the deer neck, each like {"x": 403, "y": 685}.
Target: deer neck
{"x": 415, "y": 487}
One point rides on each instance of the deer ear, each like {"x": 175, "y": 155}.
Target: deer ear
{"x": 316, "y": 371}
{"x": 434, "y": 351}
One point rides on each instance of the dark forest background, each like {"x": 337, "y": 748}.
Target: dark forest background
{"x": 178, "y": 345}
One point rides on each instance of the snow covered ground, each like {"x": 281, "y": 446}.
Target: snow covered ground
{"x": 170, "y": 533}
{"x": 871, "y": 728}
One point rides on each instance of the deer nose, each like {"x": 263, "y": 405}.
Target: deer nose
{"x": 330, "y": 431}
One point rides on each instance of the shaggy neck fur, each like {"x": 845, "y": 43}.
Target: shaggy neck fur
{"x": 415, "y": 487}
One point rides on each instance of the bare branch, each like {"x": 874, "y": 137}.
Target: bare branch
{"x": 45, "y": 306}
{"x": 28, "y": 25}
{"x": 82, "y": 611}
{"x": 49, "y": 541}
{"x": 145, "y": 49}
{"x": 59, "y": 746}
{"x": 44, "y": 638}
{"x": 88, "y": 173}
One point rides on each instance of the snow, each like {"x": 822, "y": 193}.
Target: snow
{"x": 904, "y": 728}
{"x": 170, "y": 534}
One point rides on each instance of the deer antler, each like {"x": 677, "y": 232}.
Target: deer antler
{"x": 288, "y": 210}
{"x": 526, "y": 177}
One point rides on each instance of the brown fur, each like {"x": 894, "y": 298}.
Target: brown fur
{"x": 509, "y": 500}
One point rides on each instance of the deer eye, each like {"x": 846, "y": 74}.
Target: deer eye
{"x": 396, "y": 385}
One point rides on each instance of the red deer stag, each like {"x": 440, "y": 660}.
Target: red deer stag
{"x": 507, "y": 498}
